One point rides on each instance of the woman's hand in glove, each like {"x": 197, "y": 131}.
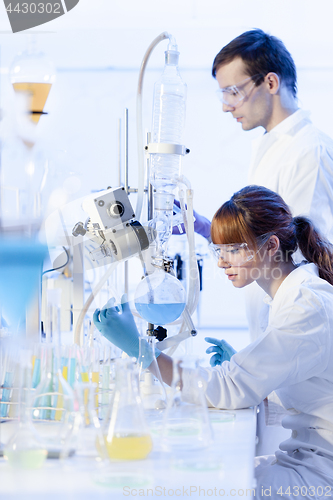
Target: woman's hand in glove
{"x": 119, "y": 328}
{"x": 223, "y": 351}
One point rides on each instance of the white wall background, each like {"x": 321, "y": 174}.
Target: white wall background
{"x": 97, "y": 49}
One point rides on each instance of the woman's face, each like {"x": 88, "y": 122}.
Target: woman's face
{"x": 242, "y": 267}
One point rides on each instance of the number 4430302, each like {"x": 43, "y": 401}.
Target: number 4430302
{"x": 32, "y": 8}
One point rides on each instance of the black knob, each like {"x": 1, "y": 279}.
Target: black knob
{"x": 160, "y": 333}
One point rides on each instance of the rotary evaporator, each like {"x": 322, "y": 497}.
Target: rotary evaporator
{"x": 116, "y": 230}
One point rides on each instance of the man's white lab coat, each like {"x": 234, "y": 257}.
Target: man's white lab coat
{"x": 294, "y": 358}
{"x": 295, "y": 160}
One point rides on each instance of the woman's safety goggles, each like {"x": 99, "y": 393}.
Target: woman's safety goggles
{"x": 237, "y": 254}
{"x": 231, "y": 96}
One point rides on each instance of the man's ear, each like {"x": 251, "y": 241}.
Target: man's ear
{"x": 273, "y": 82}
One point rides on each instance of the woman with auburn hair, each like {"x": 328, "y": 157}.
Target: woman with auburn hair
{"x": 254, "y": 237}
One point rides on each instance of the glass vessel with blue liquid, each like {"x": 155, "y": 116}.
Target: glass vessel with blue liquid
{"x": 21, "y": 260}
{"x": 160, "y": 298}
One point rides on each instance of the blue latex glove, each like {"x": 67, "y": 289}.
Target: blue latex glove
{"x": 119, "y": 328}
{"x": 201, "y": 224}
{"x": 223, "y": 350}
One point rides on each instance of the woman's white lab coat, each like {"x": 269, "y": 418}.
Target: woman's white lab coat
{"x": 294, "y": 358}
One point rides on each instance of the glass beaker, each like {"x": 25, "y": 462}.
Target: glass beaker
{"x": 25, "y": 449}
{"x": 160, "y": 298}
{"x": 126, "y": 434}
{"x": 186, "y": 425}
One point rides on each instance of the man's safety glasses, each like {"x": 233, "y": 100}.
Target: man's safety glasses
{"x": 237, "y": 254}
{"x": 231, "y": 96}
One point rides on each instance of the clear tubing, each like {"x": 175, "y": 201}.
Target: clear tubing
{"x": 88, "y": 302}
{"x": 139, "y": 122}
{"x": 194, "y": 282}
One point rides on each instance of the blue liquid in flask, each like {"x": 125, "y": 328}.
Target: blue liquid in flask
{"x": 20, "y": 269}
{"x": 160, "y": 314}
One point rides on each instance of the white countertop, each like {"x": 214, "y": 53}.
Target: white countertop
{"x": 224, "y": 469}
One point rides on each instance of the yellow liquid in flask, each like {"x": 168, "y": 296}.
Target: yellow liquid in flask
{"x": 129, "y": 446}
{"x": 38, "y": 94}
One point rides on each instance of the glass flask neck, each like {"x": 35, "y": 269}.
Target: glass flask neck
{"x": 88, "y": 401}
{"x": 127, "y": 378}
{"x": 171, "y": 58}
{"x": 52, "y": 360}
{"x": 25, "y": 395}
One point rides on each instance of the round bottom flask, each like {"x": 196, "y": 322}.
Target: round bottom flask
{"x": 160, "y": 298}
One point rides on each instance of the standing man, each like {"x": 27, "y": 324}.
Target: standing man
{"x": 258, "y": 86}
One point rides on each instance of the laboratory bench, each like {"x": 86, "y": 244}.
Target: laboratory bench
{"x": 225, "y": 469}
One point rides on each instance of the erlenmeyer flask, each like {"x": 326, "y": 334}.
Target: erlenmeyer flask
{"x": 126, "y": 433}
{"x": 86, "y": 440}
{"x": 160, "y": 298}
{"x": 53, "y": 403}
{"x": 186, "y": 426}
{"x": 25, "y": 449}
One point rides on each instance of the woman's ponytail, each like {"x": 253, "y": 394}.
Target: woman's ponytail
{"x": 314, "y": 248}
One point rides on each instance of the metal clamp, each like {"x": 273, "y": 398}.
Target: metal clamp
{"x": 166, "y": 149}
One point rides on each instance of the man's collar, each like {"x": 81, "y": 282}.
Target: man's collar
{"x": 289, "y": 123}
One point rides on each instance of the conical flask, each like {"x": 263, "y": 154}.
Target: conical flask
{"x": 25, "y": 449}
{"x": 186, "y": 425}
{"x": 53, "y": 403}
{"x": 126, "y": 433}
{"x": 86, "y": 440}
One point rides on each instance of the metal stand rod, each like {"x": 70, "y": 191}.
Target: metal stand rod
{"x": 126, "y": 149}
{"x": 78, "y": 283}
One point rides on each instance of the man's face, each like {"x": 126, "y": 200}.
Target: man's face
{"x": 255, "y": 109}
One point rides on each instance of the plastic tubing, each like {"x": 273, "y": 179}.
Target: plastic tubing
{"x": 88, "y": 302}
{"x": 194, "y": 282}
{"x": 139, "y": 122}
